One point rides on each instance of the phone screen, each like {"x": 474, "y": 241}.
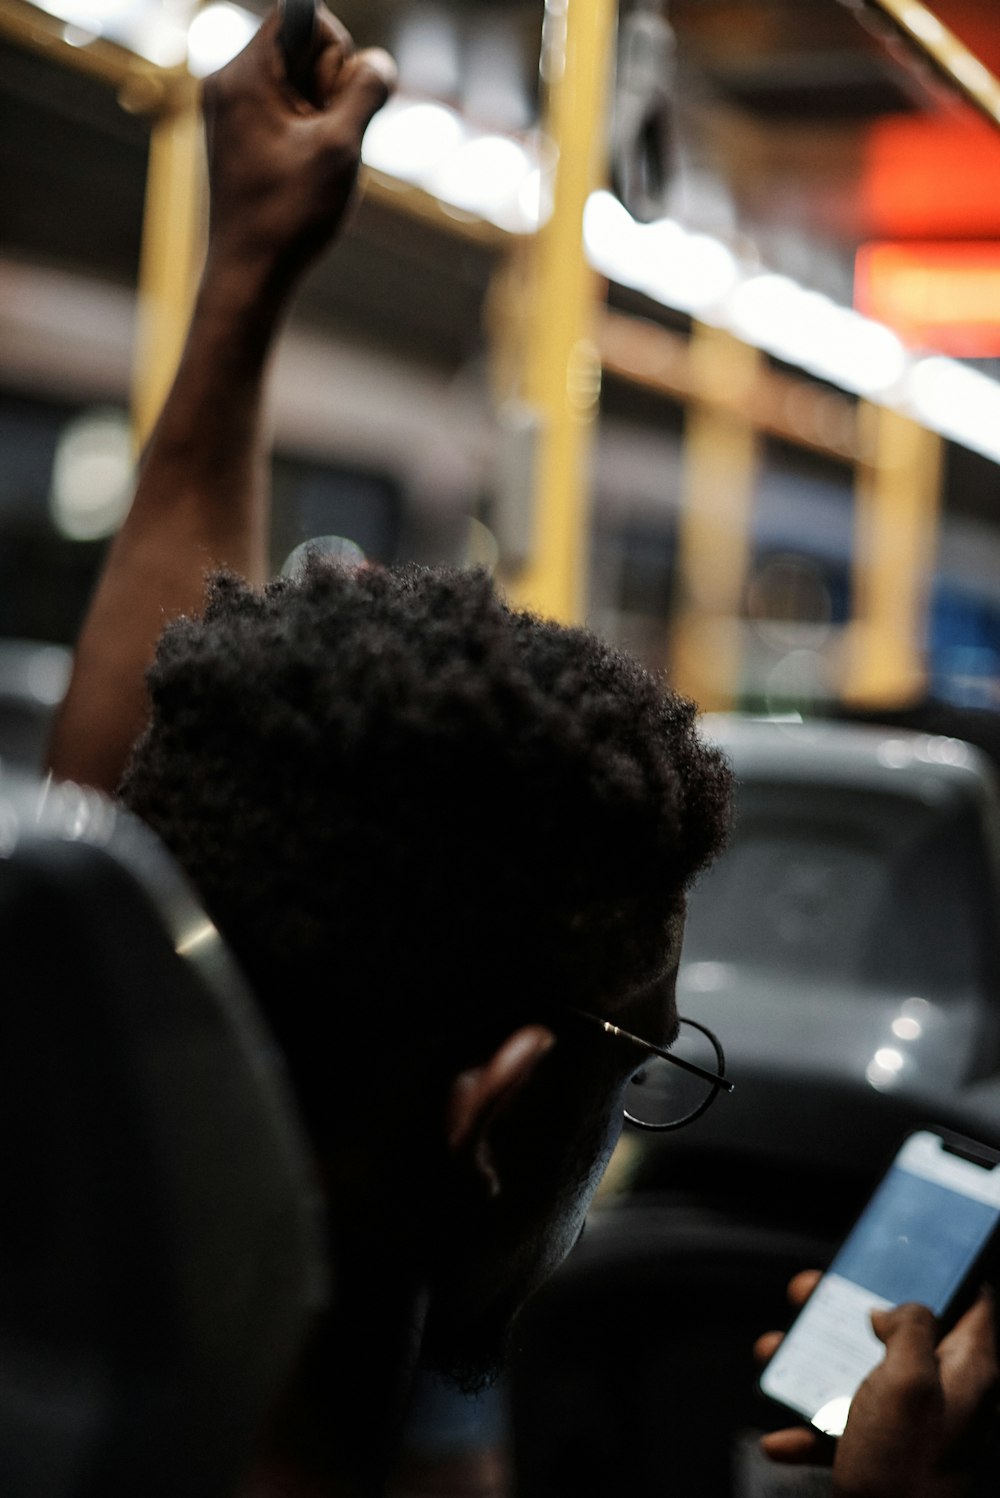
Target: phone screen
{"x": 917, "y": 1239}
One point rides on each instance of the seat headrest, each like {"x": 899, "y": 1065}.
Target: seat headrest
{"x": 162, "y": 1250}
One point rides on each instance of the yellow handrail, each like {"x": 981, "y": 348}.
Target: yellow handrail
{"x": 171, "y": 249}
{"x": 562, "y": 364}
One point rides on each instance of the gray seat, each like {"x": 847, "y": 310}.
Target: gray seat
{"x": 161, "y": 1248}
{"x": 634, "y": 1374}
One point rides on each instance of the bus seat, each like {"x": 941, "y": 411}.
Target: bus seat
{"x": 161, "y": 1248}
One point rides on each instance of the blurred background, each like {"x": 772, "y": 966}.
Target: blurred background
{"x": 771, "y": 467}
{"x": 685, "y": 320}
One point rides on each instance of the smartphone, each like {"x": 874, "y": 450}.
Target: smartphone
{"x": 926, "y": 1235}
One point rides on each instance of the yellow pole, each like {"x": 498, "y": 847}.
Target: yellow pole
{"x": 713, "y": 541}
{"x": 898, "y": 497}
{"x": 932, "y": 38}
{"x": 562, "y": 364}
{"x": 171, "y": 234}
{"x": 171, "y": 248}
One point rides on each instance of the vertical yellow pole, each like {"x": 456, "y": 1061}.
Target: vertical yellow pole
{"x": 898, "y": 499}
{"x": 171, "y": 248}
{"x": 713, "y": 542}
{"x": 562, "y": 365}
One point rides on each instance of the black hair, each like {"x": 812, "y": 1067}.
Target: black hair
{"x": 398, "y": 796}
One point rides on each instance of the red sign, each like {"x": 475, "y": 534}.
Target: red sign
{"x": 943, "y": 296}
{"x": 930, "y": 178}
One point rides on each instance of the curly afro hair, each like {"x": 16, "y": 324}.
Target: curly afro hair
{"x": 396, "y": 793}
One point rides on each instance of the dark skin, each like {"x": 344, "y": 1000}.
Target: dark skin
{"x": 913, "y": 1422}
{"x": 282, "y": 173}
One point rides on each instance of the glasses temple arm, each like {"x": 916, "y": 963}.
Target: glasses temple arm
{"x": 697, "y": 1071}
{"x": 688, "y": 1066}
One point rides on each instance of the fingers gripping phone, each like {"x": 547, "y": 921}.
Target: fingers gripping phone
{"x": 926, "y": 1235}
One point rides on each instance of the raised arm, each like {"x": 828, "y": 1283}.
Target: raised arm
{"x": 281, "y": 172}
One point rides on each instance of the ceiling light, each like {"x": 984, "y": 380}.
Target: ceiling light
{"x": 691, "y": 272}
{"x": 810, "y": 330}
{"x": 410, "y": 140}
{"x": 158, "y": 37}
{"x": 610, "y": 237}
{"x": 957, "y": 401}
{"x": 688, "y": 271}
{"x": 92, "y": 475}
{"x": 143, "y": 26}
{"x": 216, "y": 34}
{"x": 90, "y": 15}
{"x": 484, "y": 177}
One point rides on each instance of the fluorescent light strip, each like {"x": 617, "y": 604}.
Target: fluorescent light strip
{"x": 147, "y": 28}
{"x": 692, "y": 272}
{"x": 810, "y": 330}
{"x": 500, "y": 179}
{"x": 697, "y": 274}
{"x": 216, "y": 34}
{"x": 493, "y": 177}
{"x": 956, "y": 401}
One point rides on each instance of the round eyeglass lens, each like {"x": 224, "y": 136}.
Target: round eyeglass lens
{"x": 661, "y": 1095}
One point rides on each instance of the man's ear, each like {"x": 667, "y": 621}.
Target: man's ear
{"x": 481, "y": 1095}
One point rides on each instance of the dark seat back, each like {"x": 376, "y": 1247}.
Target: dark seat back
{"x": 634, "y": 1373}
{"x": 160, "y": 1238}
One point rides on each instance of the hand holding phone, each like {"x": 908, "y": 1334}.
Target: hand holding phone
{"x": 916, "y": 1424}
{"x": 927, "y": 1232}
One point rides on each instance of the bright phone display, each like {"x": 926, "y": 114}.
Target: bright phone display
{"x": 918, "y": 1239}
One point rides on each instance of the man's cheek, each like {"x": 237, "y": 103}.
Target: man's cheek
{"x": 578, "y": 1205}
{"x": 613, "y": 1125}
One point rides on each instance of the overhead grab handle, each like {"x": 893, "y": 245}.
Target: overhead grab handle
{"x": 297, "y": 35}
{"x": 641, "y": 133}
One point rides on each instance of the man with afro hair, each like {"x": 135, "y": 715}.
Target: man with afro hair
{"x": 443, "y": 837}
{"x": 390, "y": 776}
{"x": 432, "y": 828}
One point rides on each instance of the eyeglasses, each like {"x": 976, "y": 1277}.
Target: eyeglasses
{"x": 673, "y": 1087}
